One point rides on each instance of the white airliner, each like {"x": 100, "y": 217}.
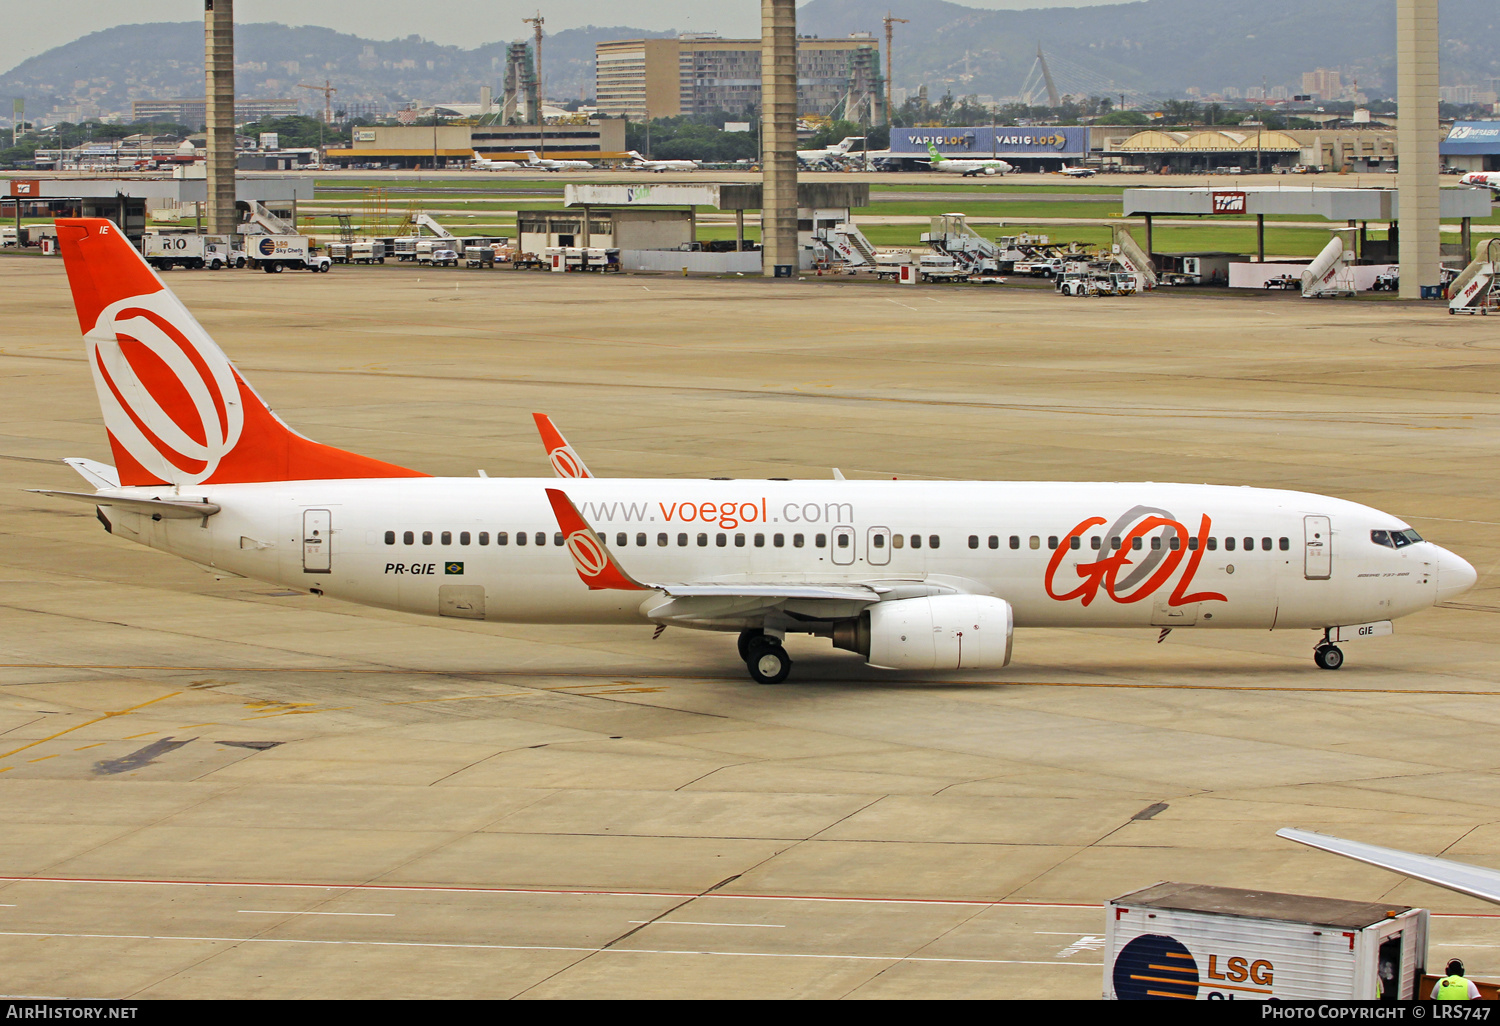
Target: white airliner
{"x": 1077, "y": 172}
{"x": 829, "y": 154}
{"x": 640, "y": 163}
{"x": 548, "y": 164}
{"x": 911, "y": 575}
{"x": 967, "y": 166}
{"x": 483, "y": 163}
{"x": 1487, "y": 179}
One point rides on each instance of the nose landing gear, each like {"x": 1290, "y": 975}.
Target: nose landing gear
{"x": 1327, "y": 655}
{"x": 764, "y": 657}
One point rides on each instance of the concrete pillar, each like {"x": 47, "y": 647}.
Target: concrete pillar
{"x": 1417, "y": 133}
{"x": 218, "y": 64}
{"x": 778, "y": 114}
{"x": 739, "y": 230}
{"x": 1260, "y": 237}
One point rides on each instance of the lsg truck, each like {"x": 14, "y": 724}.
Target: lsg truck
{"x": 1179, "y": 941}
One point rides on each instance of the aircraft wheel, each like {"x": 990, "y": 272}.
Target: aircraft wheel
{"x": 1328, "y": 657}
{"x": 768, "y": 662}
{"x": 745, "y": 640}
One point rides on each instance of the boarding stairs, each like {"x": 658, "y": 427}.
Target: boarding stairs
{"x": 1473, "y": 291}
{"x": 952, "y": 236}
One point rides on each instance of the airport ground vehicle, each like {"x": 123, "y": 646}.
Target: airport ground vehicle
{"x": 276, "y": 253}
{"x": 165, "y": 250}
{"x": 1283, "y": 281}
{"x": 358, "y": 252}
{"x": 1048, "y": 267}
{"x": 1181, "y": 940}
{"x": 915, "y": 575}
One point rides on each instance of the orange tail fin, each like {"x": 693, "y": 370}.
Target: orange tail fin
{"x": 176, "y": 410}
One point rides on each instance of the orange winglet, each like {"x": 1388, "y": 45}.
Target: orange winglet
{"x": 565, "y": 462}
{"x": 592, "y": 559}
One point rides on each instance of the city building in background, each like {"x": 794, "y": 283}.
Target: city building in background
{"x": 699, "y": 72}
{"x": 194, "y": 112}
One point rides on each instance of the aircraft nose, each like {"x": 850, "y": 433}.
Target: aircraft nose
{"x": 1455, "y": 575}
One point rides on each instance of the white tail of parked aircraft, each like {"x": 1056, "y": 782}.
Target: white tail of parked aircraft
{"x": 909, "y": 575}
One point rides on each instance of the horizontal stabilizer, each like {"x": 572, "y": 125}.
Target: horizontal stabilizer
{"x": 1475, "y": 881}
{"x": 167, "y": 509}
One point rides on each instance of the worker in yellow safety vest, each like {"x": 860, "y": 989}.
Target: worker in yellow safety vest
{"x": 1455, "y": 986}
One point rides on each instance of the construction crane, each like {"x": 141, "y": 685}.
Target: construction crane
{"x": 889, "y": 21}
{"x": 327, "y": 89}
{"x": 541, "y": 101}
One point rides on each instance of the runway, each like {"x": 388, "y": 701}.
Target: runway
{"x": 223, "y": 788}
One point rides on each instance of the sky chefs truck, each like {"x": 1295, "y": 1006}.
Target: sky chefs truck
{"x": 1177, "y": 941}
{"x": 276, "y": 253}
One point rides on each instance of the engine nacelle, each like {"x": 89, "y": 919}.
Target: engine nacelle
{"x": 944, "y": 632}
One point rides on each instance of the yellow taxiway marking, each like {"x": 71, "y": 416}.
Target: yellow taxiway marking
{"x": 45, "y": 757}
{"x": 96, "y": 719}
{"x": 84, "y": 748}
{"x": 132, "y": 737}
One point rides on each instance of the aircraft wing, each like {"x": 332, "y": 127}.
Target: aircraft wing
{"x": 1475, "y": 881}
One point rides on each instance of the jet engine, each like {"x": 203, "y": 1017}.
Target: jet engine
{"x": 944, "y": 632}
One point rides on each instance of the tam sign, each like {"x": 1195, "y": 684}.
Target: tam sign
{"x": 1228, "y": 202}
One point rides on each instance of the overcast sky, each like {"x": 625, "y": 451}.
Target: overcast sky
{"x": 34, "y": 27}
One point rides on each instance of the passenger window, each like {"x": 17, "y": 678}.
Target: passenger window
{"x": 1156, "y": 543}
{"x": 1094, "y": 543}
{"x": 843, "y": 541}
{"x": 973, "y": 541}
{"x": 1036, "y": 541}
{"x": 702, "y": 540}
{"x": 620, "y": 539}
{"x": 1229, "y": 544}
{"x": 1286, "y": 545}
{"x": 682, "y": 539}
{"x": 760, "y": 541}
{"x": 1174, "y": 543}
{"x": 640, "y": 538}
{"x": 1135, "y": 544}
{"x": 878, "y": 541}
{"x": 502, "y": 537}
{"x": 720, "y": 539}
{"x": 1249, "y": 544}
{"x": 557, "y": 538}
{"x": 739, "y": 540}
{"x": 1193, "y": 544}
{"x": 1051, "y": 541}
{"x": 521, "y": 537}
{"x": 1213, "y": 544}
{"x": 447, "y": 538}
{"x": 820, "y": 541}
{"x": 390, "y": 537}
{"x": 463, "y": 537}
{"x": 898, "y": 540}
{"x": 933, "y": 541}
{"x": 1015, "y": 541}
{"x": 1114, "y": 542}
{"x": 661, "y": 540}
{"x": 778, "y": 540}
{"x": 994, "y": 541}
{"x": 484, "y": 537}
{"x": 916, "y": 541}
{"x": 407, "y": 538}
{"x": 1075, "y": 543}
{"x": 426, "y": 537}
{"x": 796, "y": 541}
{"x": 1266, "y": 544}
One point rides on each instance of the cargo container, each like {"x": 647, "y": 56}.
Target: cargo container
{"x": 1194, "y": 941}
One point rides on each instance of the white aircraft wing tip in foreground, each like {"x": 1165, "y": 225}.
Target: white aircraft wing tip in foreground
{"x": 1475, "y": 881}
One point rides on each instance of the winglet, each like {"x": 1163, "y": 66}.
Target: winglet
{"x": 565, "y": 462}
{"x": 592, "y": 559}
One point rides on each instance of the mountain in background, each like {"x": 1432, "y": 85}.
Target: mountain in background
{"x": 1160, "y": 47}
{"x": 163, "y": 61}
{"x": 1163, "y": 47}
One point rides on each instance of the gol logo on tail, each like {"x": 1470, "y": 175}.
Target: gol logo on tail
{"x": 588, "y": 554}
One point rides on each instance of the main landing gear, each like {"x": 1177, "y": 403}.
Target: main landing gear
{"x": 764, "y": 657}
{"x": 1327, "y": 655}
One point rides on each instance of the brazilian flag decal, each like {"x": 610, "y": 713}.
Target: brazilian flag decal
{"x": 453, "y": 568}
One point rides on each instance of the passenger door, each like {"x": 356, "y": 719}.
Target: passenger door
{"x": 317, "y": 541}
{"x": 841, "y": 545}
{"x": 878, "y": 546}
{"x": 1317, "y": 548}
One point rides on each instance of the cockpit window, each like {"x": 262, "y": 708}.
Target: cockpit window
{"x": 1395, "y": 539}
{"x": 1382, "y": 538}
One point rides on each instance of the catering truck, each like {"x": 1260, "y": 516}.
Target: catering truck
{"x": 275, "y": 253}
{"x": 1194, "y": 941}
{"x": 164, "y": 250}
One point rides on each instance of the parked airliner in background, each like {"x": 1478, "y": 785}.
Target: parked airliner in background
{"x": 966, "y": 166}
{"x": 831, "y": 154}
{"x": 640, "y": 163}
{"x": 1077, "y": 172}
{"x": 548, "y": 164}
{"x": 910, "y": 575}
{"x": 1487, "y": 179}
{"x": 483, "y": 163}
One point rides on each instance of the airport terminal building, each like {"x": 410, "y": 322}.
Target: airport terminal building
{"x": 1034, "y": 148}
